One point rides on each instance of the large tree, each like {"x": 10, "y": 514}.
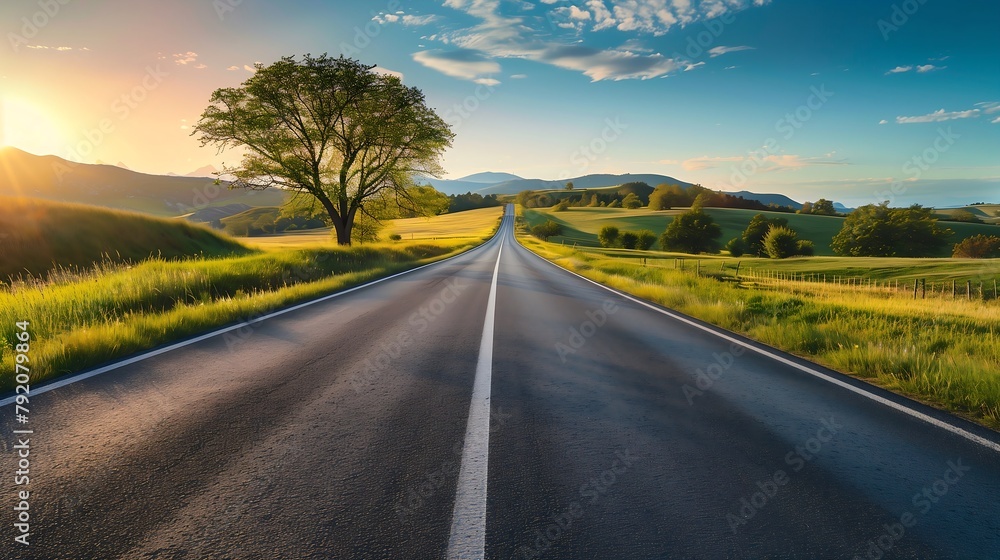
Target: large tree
{"x": 693, "y": 231}
{"x": 881, "y": 231}
{"x": 329, "y": 128}
{"x": 753, "y": 235}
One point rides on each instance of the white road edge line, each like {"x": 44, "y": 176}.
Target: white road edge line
{"x": 467, "y": 540}
{"x": 153, "y": 353}
{"x": 840, "y": 383}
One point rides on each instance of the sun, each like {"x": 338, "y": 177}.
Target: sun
{"x": 30, "y": 128}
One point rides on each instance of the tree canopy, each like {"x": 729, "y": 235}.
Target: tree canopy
{"x": 880, "y": 231}
{"x": 330, "y": 128}
{"x": 693, "y": 231}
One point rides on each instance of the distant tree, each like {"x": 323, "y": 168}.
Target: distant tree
{"x": 331, "y": 128}
{"x": 594, "y": 201}
{"x": 753, "y": 235}
{"x": 524, "y": 197}
{"x": 615, "y": 204}
{"x": 631, "y": 201}
{"x": 646, "y": 240}
{"x": 693, "y": 231}
{"x": 964, "y": 216}
{"x": 736, "y": 247}
{"x": 876, "y": 230}
{"x": 547, "y": 230}
{"x": 978, "y": 247}
{"x": 471, "y": 201}
{"x": 561, "y": 206}
{"x": 807, "y": 208}
{"x": 806, "y": 248}
{"x": 660, "y": 199}
{"x": 638, "y": 188}
{"x": 629, "y": 239}
{"x": 608, "y": 236}
{"x": 703, "y": 200}
{"x": 569, "y": 185}
{"x": 666, "y": 197}
{"x": 823, "y": 207}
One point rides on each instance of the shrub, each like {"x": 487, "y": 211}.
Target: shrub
{"x": 631, "y": 202}
{"x": 395, "y": 237}
{"x": 646, "y": 240}
{"x": 608, "y": 236}
{"x": 615, "y": 204}
{"x": 546, "y": 230}
{"x": 736, "y": 247}
{"x": 629, "y": 239}
{"x": 806, "y": 248}
{"x": 978, "y": 247}
{"x": 781, "y": 243}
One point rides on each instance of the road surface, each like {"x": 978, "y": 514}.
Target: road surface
{"x": 495, "y": 406}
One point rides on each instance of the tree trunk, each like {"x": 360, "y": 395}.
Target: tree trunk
{"x": 340, "y": 225}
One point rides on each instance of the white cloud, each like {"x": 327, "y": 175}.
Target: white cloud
{"x": 922, "y": 69}
{"x": 720, "y": 50}
{"x": 883, "y": 121}
{"x": 200, "y": 67}
{"x": 232, "y": 68}
{"x": 57, "y": 49}
{"x": 706, "y": 162}
{"x": 465, "y": 64}
{"x": 555, "y": 39}
{"x": 518, "y": 76}
{"x": 249, "y": 68}
{"x": 995, "y": 121}
{"x": 387, "y": 72}
{"x": 940, "y": 116}
{"x": 185, "y": 58}
{"x": 487, "y": 81}
{"x": 691, "y": 67}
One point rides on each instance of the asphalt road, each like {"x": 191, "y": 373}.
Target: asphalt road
{"x": 493, "y": 404}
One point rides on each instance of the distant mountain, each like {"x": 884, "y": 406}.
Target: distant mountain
{"x": 490, "y": 178}
{"x": 778, "y": 199}
{"x": 451, "y": 186}
{"x": 584, "y": 182}
{"x": 207, "y": 172}
{"x": 53, "y": 178}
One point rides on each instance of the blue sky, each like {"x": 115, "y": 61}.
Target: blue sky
{"x": 855, "y": 100}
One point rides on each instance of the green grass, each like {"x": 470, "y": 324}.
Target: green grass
{"x": 581, "y": 225}
{"x": 113, "y": 311}
{"x": 944, "y": 353}
{"x": 39, "y": 236}
{"x": 83, "y": 318}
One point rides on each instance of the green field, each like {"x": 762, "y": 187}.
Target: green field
{"x": 460, "y": 225}
{"x": 581, "y": 225}
{"x": 39, "y": 235}
{"x": 111, "y": 310}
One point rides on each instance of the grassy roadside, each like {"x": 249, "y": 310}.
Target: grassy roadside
{"x": 113, "y": 311}
{"x": 947, "y": 356}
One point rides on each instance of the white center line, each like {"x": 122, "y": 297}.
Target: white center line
{"x": 468, "y": 520}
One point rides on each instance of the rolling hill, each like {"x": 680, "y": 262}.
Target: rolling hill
{"x": 40, "y": 235}
{"x": 54, "y": 178}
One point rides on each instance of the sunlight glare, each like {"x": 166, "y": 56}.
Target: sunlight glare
{"x": 29, "y": 128}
